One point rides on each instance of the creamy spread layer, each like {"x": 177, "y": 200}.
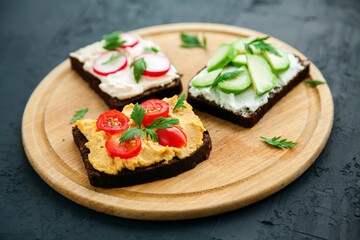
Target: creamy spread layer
{"x": 151, "y": 152}
{"x": 246, "y": 102}
{"x": 122, "y": 84}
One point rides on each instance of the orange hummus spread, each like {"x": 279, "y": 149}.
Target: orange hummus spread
{"x": 151, "y": 151}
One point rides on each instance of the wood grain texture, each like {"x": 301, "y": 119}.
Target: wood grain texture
{"x": 241, "y": 168}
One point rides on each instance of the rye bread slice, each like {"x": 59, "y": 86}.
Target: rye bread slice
{"x": 143, "y": 174}
{"x": 160, "y": 92}
{"x": 211, "y": 107}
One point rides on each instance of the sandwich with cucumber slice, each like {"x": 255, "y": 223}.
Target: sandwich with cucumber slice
{"x": 244, "y": 79}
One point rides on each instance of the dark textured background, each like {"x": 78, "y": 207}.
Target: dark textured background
{"x": 324, "y": 203}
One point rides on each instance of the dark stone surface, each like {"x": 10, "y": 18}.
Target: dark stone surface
{"x": 324, "y": 203}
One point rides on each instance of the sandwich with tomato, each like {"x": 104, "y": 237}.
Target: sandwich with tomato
{"x": 153, "y": 140}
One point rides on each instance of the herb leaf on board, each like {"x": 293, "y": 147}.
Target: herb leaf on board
{"x": 79, "y": 114}
{"x": 283, "y": 143}
{"x": 190, "y": 41}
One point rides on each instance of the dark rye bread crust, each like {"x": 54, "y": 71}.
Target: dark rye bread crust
{"x": 211, "y": 107}
{"x": 168, "y": 90}
{"x": 143, "y": 174}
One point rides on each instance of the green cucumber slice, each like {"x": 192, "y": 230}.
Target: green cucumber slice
{"x": 239, "y": 45}
{"x": 236, "y": 85}
{"x": 260, "y": 71}
{"x": 223, "y": 55}
{"x": 205, "y": 80}
{"x": 278, "y": 64}
{"x": 239, "y": 60}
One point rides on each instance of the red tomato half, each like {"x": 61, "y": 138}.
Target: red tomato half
{"x": 172, "y": 137}
{"x": 154, "y": 108}
{"x": 112, "y": 122}
{"x": 123, "y": 150}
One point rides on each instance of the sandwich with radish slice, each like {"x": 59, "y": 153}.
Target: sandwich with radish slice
{"x": 124, "y": 68}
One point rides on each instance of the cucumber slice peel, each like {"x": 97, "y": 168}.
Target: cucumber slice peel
{"x": 278, "y": 64}
{"x": 206, "y": 79}
{"x": 238, "y": 84}
{"x": 223, "y": 55}
{"x": 260, "y": 71}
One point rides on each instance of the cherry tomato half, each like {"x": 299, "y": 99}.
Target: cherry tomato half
{"x": 112, "y": 122}
{"x": 154, "y": 108}
{"x": 123, "y": 150}
{"x": 172, "y": 137}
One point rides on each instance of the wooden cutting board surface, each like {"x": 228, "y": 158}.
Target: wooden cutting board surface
{"x": 241, "y": 169}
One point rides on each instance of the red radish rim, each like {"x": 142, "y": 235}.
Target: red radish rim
{"x": 111, "y": 72}
{"x": 150, "y": 73}
{"x": 130, "y": 45}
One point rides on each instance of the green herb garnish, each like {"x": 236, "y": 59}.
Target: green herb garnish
{"x": 180, "y": 102}
{"x": 78, "y": 114}
{"x": 130, "y": 134}
{"x": 112, "y": 41}
{"x": 280, "y": 144}
{"x": 150, "y": 133}
{"x": 192, "y": 41}
{"x": 314, "y": 83}
{"x": 225, "y": 76}
{"x": 113, "y": 57}
{"x": 152, "y": 49}
{"x": 163, "y": 122}
{"x": 139, "y": 68}
{"x": 137, "y": 115}
{"x": 262, "y": 46}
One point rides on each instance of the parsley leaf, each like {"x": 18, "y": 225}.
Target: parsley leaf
{"x": 314, "y": 83}
{"x": 280, "y": 144}
{"x": 79, "y": 114}
{"x": 163, "y": 122}
{"x": 112, "y": 40}
{"x": 262, "y": 46}
{"x": 138, "y": 114}
{"x": 130, "y": 134}
{"x": 152, "y": 49}
{"x": 111, "y": 36}
{"x": 180, "y": 102}
{"x": 150, "y": 133}
{"x": 225, "y": 76}
{"x": 113, "y": 57}
{"x": 139, "y": 68}
{"x": 192, "y": 41}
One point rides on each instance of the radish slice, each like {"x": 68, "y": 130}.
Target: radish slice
{"x": 102, "y": 68}
{"x": 131, "y": 40}
{"x": 156, "y": 64}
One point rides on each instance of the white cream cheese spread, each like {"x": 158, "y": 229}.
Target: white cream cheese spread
{"x": 122, "y": 84}
{"x": 247, "y": 102}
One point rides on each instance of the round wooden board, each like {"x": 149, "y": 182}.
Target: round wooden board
{"x": 241, "y": 168}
